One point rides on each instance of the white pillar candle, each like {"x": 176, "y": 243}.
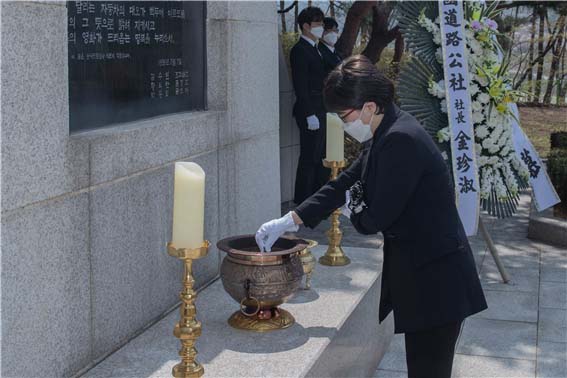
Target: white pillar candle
{"x": 188, "y": 206}
{"x": 335, "y": 138}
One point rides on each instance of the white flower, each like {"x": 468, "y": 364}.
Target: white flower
{"x": 444, "y": 154}
{"x": 485, "y": 182}
{"x": 443, "y": 106}
{"x": 476, "y": 106}
{"x": 482, "y": 80}
{"x": 432, "y": 89}
{"x": 477, "y": 118}
{"x": 481, "y": 132}
{"x": 486, "y": 142}
{"x": 441, "y": 89}
{"x": 437, "y": 89}
{"x": 443, "y": 135}
{"x": 496, "y": 135}
{"x": 478, "y": 147}
{"x": 501, "y": 192}
{"x": 493, "y": 160}
{"x": 495, "y": 118}
{"x": 520, "y": 167}
{"x": 476, "y": 47}
{"x": 431, "y": 27}
{"x": 437, "y": 38}
{"x": 473, "y": 89}
{"x": 483, "y": 98}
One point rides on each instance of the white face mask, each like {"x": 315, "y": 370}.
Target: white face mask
{"x": 331, "y": 38}
{"x": 317, "y": 31}
{"x": 358, "y": 130}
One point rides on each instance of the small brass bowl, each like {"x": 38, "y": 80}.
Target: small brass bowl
{"x": 261, "y": 281}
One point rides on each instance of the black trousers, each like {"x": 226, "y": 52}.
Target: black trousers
{"x": 311, "y": 175}
{"x": 429, "y": 353}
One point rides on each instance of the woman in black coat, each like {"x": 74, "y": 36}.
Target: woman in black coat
{"x": 400, "y": 186}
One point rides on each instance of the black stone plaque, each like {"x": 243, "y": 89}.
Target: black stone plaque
{"x": 130, "y": 60}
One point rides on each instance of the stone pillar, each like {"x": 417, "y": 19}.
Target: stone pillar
{"x": 86, "y": 216}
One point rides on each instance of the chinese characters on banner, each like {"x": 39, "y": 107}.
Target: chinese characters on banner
{"x": 544, "y": 195}
{"x": 465, "y": 170}
{"x": 543, "y": 192}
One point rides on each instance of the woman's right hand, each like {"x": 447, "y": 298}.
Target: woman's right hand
{"x": 270, "y": 231}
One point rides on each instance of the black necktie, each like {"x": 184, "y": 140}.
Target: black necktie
{"x": 317, "y": 49}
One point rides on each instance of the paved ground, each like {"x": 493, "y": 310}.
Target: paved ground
{"x": 523, "y": 333}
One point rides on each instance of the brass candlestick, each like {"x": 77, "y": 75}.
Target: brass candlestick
{"x": 308, "y": 262}
{"x": 188, "y": 329}
{"x": 335, "y": 255}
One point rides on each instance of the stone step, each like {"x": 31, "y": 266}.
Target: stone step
{"x": 336, "y": 333}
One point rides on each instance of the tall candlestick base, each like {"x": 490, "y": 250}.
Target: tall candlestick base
{"x": 188, "y": 329}
{"x": 335, "y": 255}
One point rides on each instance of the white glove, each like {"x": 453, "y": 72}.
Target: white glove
{"x": 345, "y": 210}
{"x": 270, "y": 231}
{"x": 313, "y": 123}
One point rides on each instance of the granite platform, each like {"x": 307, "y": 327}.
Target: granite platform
{"x": 336, "y": 333}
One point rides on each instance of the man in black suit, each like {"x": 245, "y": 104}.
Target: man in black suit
{"x": 331, "y": 58}
{"x": 400, "y": 186}
{"x": 308, "y": 73}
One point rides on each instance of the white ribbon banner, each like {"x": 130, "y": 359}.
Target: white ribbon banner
{"x": 465, "y": 170}
{"x": 544, "y": 194}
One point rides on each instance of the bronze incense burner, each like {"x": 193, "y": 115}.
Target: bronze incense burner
{"x": 261, "y": 281}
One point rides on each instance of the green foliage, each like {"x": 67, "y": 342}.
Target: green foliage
{"x": 557, "y": 170}
{"x": 558, "y": 140}
{"x": 418, "y": 39}
{"x": 388, "y": 67}
{"x": 421, "y": 67}
{"x": 352, "y": 149}
{"x": 288, "y": 40}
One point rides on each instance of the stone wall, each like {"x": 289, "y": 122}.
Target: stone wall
{"x": 289, "y": 133}
{"x": 86, "y": 216}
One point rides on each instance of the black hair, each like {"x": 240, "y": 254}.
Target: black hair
{"x": 309, "y": 15}
{"x": 354, "y": 82}
{"x": 329, "y": 23}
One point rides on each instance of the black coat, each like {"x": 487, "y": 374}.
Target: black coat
{"x": 330, "y": 58}
{"x": 429, "y": 276}
{"x": 307, "y": 74}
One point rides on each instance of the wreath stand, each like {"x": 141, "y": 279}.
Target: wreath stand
{"x": 493, "y": 251}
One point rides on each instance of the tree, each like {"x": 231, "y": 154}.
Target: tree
{"x": 354, "y": 18}
{"x": 558, "y": 50}
{"x": 380, "y": 34}
{"x": 398, "y": 53}
{"x": 283, "y": 11}
{"x": 542, "y": 12}
{"x": 555, "y": 32}
{"x": 282, "y": 7}
{"x": 531, "y": 53}
{"x": 296, "y": 14}
{"x": 562, "y": 81}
